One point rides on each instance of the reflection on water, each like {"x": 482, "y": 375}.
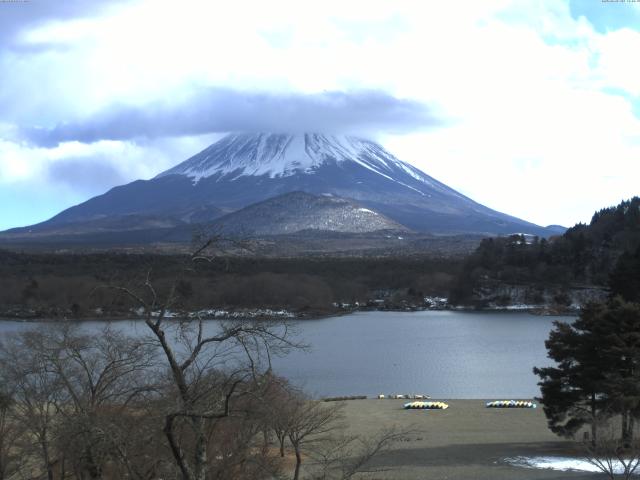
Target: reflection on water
{"x": 443, "y": 354}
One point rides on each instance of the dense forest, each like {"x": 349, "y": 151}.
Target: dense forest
{"x": 601, "y": 256}
{"x": 606, "y": 250}
{"x": 76, "y": 285}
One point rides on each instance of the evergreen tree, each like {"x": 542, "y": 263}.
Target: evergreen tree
{"x": 625, "y": 278}
{"x": 621, "y": 343}
{"x": 598, "y": 370}
{"x": 574, "y": 391}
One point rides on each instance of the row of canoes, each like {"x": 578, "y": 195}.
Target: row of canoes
{"x": 511, "y": 404}
{"x": 407, "y": 396}
{"x": 426, "y": 405}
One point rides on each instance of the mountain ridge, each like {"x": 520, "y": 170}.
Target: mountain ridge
{"x": 244, "y": 169}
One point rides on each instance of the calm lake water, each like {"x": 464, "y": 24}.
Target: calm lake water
{"x": 443, "y": 354}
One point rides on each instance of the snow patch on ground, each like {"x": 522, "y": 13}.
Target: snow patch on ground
{"x": 366, "y": 210}
{"x": 564, "y": 464}
{"x": 522, "y": 306}
{"x": 235, "y": 314}
{"x": 219, "y": 313}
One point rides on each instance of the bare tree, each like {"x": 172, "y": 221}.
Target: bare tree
{"x": 315, "y": 431}
{"x": 37, "y": 394}
{"x": 310, "y": 422}
{"x": 128, "y": 442}
{"x": 70, "y": 388}
{"x": 615, "y": 456}
{"x": 192, "y": 353}
{"x": 10, "y": 435}
{"x": 276, "y": 410}
{"x": 345, "y": 456}
{"x": 239, "y": 451}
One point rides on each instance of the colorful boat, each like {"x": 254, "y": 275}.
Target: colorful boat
{"x": 511, "y": 404}
{"x": 426, "y": 406}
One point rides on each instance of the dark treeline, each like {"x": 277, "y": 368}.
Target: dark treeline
{"x": 71, "y": 284}
{"x": 583, "y": 255}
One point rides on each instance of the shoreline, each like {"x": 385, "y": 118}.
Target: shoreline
{"x": 282, "y": 314}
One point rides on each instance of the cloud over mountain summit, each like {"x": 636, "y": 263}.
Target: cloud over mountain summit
{"x": 212, "y": 110}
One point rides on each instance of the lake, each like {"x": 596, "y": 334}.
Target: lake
{"x": 445, "y": 354}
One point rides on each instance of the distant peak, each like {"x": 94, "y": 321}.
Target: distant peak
{"x": 285, "y": 154}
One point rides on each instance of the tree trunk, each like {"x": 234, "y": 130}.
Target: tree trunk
{"x": 94, "y": 471}
{"x": 175, "y": 448}
{"x": 282, "y": 447}
{"x": 625, "y": 428}
{"x": 3, "y": 447}
{"x": 46, "y": 459}
{"x": 296, "y": 474}
{"x": 63, "y": 472}
{"x": 594, "y": 421}
{"x": 200, "y": 460}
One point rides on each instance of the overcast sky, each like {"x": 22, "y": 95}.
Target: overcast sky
{"x": 531, "y": 108}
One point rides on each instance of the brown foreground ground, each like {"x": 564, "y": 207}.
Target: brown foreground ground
{"x": 466, "y": 441}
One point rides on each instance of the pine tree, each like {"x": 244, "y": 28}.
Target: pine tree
{"x": 625, "y": 278}
{"x": 622, "y": 351}
{"x": 574, "y": 392}
{"x": 598, "y": 370}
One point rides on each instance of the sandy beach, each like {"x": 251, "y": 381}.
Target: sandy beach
{"x": 466, "y": 441}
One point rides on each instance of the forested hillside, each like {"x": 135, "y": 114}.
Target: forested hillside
{"x": 585, "y": 256}
{"x": 46, "y": 285}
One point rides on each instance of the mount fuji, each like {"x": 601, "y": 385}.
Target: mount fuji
{"x": 239, "y": 170}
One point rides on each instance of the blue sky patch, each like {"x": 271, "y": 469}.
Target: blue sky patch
{"x": 607, "y": 15}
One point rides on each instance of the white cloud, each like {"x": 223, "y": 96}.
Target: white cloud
{"x": 134, "y": 160}
{"x": 616, "y": 51}
{"x": 538, "y": 106}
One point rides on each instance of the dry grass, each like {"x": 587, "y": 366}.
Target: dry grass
{"x": 466, "y": 441}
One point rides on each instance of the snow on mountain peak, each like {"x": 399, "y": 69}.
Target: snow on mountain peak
{"x": 282, "y": 155}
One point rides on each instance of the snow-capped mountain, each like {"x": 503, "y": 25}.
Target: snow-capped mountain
{"x": 281, "y": 155}
{"x": 242, "y": 169}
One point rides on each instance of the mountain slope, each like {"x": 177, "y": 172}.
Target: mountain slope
{"x": 298, "y": 211}
{"x": 242, "y": 169}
